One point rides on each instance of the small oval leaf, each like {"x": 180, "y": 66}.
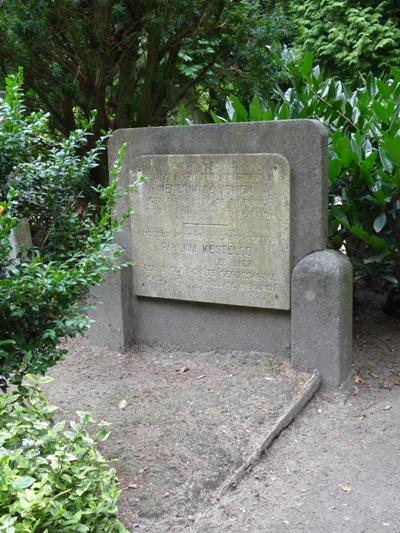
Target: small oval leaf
{"x": 380, "y": 222}
{"x": 23, "y": 482}
{"x": 40, "y": 380}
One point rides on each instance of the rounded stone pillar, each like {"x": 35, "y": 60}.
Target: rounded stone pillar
{"x": 321, "y": 324}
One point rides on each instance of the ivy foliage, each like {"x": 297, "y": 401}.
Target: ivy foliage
{"x": 52, "y": 478}
{"x": 364, "y": 166}
{"x": 348, "y": 38}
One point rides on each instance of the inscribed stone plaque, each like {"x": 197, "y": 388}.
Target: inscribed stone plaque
{"x": 213, "y": 228}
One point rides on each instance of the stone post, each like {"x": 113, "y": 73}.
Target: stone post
{"x": 20, "y": 237}
{"x": 322, "y": 299}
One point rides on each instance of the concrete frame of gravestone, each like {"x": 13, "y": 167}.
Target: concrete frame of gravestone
{"x": 316, "y": 332}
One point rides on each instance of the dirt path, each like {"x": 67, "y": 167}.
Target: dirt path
{"x": 337, "y": 468}
{"x": 182, "y": 426}
{"x": 185, "y": 423}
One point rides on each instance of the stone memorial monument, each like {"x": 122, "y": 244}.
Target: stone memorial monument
{"x": 229, "y": 246}
{"x": 20, "y": 238}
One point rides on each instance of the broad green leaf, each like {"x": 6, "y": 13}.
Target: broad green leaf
{"x": 386, "y": 161}
{"x": 23, "y": 482}
{"x": 380, "y": 197}
{"x": 239, "y": 112}
{"x": 377, "y": 242}
{"x": 255, "y": 110}
{"x": 392, "y": 147}
{"x": 381, "y": 111}
{"x": 306, "y": 63}
{"x": 284, "y": 112}
{"x": 340, "y": 216}
{"x": 230, "y": 110}
{"x": 217, "y": 119}
{"x": 335, "y": 168}
{"x": 373, "y": 240}
{"x": 7, "y": 342}
{"x": 41, "y": 380}
{"x": 343, "y": 150}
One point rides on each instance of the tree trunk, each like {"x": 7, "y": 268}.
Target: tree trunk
{"x": 124, "y": 107}
{"x": 149, "y": 92}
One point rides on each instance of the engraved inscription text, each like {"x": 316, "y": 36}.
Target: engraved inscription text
{"x": 213, "y": 228}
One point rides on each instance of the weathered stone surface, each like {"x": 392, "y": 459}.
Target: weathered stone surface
{"x": 195, "y": 326}
{"x": 213, "y": 228}
{"x": 20, "y": 237}
{"x": 117, "y": 295}
{"x": 322, "y": 299}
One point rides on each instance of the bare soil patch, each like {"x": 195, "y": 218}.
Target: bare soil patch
{"x": 181, "y": 424}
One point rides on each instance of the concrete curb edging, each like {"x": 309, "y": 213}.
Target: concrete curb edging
{"x": 297, "y": 405}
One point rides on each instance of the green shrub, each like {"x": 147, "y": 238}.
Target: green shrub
{"x": 43, "y": 291}
{"x": 348, "y": 38}
{"x": 52, "y": 478}
{"x": 364, "y": 167}
{"x": 50, "y": 175}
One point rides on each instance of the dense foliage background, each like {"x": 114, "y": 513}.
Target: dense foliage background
{"x": 140, "y": 63}
{"x": 347, "y": 37}
{"x": 135, "y": 61}
{"x": 94, "y": 66}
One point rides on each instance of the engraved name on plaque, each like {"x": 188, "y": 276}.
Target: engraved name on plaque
{"x": 213, "y": 228}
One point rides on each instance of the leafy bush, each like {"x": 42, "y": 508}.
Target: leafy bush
{"x": 19, "y": 132}
{"x": 348, "y": 38}
{"x": 364, "y": 167}
{"x": 50, "y": 176}
{"x": 52, "y": 478}
{"x": 43, "y": 290}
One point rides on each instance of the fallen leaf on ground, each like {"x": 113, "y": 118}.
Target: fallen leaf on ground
{"x": 396, "y": 380}
{"x": 358, "y": 378}
{"x": 182, "y": 370}
{"x": 346, "y": 487}
{"x": 122, "y": 404}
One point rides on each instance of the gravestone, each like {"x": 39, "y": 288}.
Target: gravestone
{"x": 228, "y": 242}
{"x": 20, "y": 238}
